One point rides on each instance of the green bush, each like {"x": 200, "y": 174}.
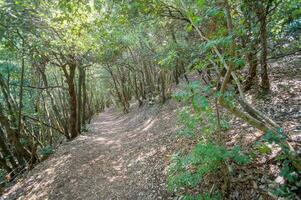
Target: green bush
{"x": 189, "y": 170}
{"x": 199, "y": 122}
{"x": 47, "y": 151}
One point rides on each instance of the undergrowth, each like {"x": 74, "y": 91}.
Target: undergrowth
{"x": 201, "y": 122}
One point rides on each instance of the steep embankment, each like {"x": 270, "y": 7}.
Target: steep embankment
{"x": 122, "y": 157}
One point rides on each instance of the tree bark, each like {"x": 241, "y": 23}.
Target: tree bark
{"x": 163, "y": 86}
{"x": 21, "y": 92}
{"x": 79, "y": 98}
{"x": 265, "y": 83}
{"x": 6, "y": 152}
{"x": 21, "y": 152}
{"x": 252, "y": 61}
{"x": 84, "y": 103}
{"x": 59, "y": 118}
{"x": 72, "y": 99}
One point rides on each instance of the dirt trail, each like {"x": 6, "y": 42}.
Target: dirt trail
{"x": 125, "y": 156}
{"x": 122, "y": 157}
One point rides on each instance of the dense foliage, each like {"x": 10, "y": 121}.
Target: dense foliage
{"x": 62, "y": 61}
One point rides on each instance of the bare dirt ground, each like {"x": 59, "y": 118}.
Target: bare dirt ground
{"x": 122, "y": 157}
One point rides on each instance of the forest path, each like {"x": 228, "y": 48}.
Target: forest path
{"x": 122, "y": 157}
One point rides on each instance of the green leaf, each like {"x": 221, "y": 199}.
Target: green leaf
{"x": 201, "y": 3}
{"x": 264, "y": 149}
{"x": 189, "y": 28}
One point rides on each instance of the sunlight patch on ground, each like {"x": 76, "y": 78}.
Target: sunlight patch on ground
{"x": 43, "y": 180}
{"x": 149, "y": 124}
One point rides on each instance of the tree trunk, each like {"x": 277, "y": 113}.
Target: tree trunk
{"x": 10, "y": 103}
{"x": 252, "y": 61}
{"x": 21, "y": 153}
{"x": 79, "y": 98}
{"x": 177, "y": 69}
{"x": 73, "y": 103}
{"x": 163, "y": 86}
{"x": 21, "y": 93}
{"x": 265, "y": 84}
{"x": 61, "y": 97}
{"x": 84, "y": 97}
{"x": 6, "y": 152}
{"x": 59, "y": 118}
{"x": 136, "y": 91}
{"x": 72, "y": 99}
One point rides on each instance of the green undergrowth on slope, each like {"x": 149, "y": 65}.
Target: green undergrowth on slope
{"x": 209, "y": 157}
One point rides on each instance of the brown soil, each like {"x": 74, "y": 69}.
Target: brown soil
{"x": 122, "y": 157}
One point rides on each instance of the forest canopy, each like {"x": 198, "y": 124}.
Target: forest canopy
{"x": 63, "y": 61}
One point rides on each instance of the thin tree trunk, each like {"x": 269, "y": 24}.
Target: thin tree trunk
{"x": 79, "y": 98}
{"x": 10, "y": 103}
{"x": 84, "y": 97}
{"x": 21, "y": 92}
{"x": 177, "y": 70}
{"x": 163, "y": 86}
{"x": 59, "y": 118}
{"x": 265, "y": 83}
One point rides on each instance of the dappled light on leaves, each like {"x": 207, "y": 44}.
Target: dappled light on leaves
{"x": 150, "y": 99}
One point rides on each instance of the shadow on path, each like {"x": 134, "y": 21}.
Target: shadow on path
{"x": 122, "y": 157}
